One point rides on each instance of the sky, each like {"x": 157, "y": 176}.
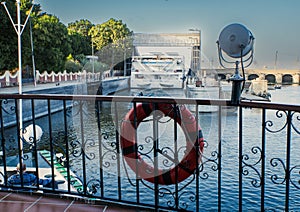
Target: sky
{"x": 275, "y": 24}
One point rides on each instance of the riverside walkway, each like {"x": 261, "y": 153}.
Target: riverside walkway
{"x": 28, "y": 87}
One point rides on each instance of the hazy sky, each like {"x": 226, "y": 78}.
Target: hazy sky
{"x": 275, "y": 24}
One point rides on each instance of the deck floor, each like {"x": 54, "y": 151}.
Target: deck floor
{"x": 10, "y": 201}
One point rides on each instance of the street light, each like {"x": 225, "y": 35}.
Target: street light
{"x": 19, "y": 28}
{"x": 125, "y": 61}
{"x": 92, "y": 58}
{"x": 198, "y": 46}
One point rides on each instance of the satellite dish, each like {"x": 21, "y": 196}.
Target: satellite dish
{"x": 28, "y": 134}
{"x": 236, "y": 40}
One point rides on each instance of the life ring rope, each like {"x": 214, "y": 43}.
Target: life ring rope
{"x": 194, "y": 143}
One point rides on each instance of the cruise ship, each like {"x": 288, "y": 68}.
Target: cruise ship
{"x": 157, "y": 71}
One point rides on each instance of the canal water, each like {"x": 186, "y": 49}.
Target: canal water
{"x": 275, "y": 157}
{"x": 87, "y": 137}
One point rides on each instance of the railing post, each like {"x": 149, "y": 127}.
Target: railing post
{"x": 83, "y": 147}
{"x": 288, "y": 160}
{"x": 197, "y": 155}
{"x": 3, "y": 142}
{"x": 155, "y": 145}
{"x": 51, "y": 140}
{"x": 136, "y": 159}
{"x": 67, "y": 145}
{"x": 263, "y": 161}
{"x": 176, "y": 157}
{"x": 118, "y": 152}
{"x": 240, "y": 135}
{"x": 220, "y": 159}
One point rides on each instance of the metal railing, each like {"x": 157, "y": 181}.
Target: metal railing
{"x": 149, "y": 152}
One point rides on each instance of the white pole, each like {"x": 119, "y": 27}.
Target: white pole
{"x": 19, "y": 46}
{"x": 125, "y": 65}
{"x": 32, "y": 55}
{"x": 20, "y": 75}
{"x": 19, "y": 30}
{"x": 93, "y": 60}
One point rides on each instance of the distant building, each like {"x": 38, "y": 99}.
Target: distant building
{"x": 187, "y": 45}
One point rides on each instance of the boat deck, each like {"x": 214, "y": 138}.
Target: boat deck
{"x": 11, "y": 201}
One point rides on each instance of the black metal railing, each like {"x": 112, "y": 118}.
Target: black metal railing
{"x": 158, "y": 153}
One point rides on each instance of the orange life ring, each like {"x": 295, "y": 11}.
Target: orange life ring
{"x": 193, "y": 135}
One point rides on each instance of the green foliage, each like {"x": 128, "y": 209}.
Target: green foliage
{"x": 9, "y": 39}
{"x": 52, "y": 42}
{"x": 72, "y": 66}
{"x": 113, "y": 40}
{"x": 81, "y": 27}
{"x": 80, "y": 44}
{"x": 98, "y": 67}
{"x": 110, "y": 32}
{"x": 80, "y": 40}
{"x": 81, "y": 58}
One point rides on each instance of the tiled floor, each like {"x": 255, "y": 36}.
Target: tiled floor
{"x": 17, "y": 202}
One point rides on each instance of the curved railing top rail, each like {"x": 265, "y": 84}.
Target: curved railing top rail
{"x": 171, "y": 100}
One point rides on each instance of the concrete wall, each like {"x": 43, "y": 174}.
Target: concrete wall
{"x": 109, "y": 86}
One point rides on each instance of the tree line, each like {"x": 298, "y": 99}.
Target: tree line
{"x": 57, "y": 47}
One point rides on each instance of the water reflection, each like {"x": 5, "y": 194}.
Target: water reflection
{"x": 94, "y": 145}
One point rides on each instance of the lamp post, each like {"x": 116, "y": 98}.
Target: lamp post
{"x": 125, "y": 61}
{"x": 198, "y": 46}
{"x": 19, "y": 28}
{"x": 125, "y": 65}
{"x": 276, "y": 58}
{"x": 93, "y": 56}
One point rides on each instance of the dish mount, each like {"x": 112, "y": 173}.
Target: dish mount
{"x": 236, "y": 41}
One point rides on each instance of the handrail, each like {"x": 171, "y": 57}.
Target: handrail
{"x": 102, "y": 173}
{"x": 171, "y": 100}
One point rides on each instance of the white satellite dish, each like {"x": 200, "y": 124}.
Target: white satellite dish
{"x": 28, "y": 134}
{"x": 236, "y": 40}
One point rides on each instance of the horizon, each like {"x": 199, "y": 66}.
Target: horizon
{"x": 273, "y": 33}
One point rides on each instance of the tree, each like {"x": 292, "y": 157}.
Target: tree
{"x": 80, "y": 39}
{"x": 110, "y": 32}
{"x": 52, "y": 43}
{"x": 9, "y": 38}
{"x": 112, "y": 39}
{"x": 72, "y": 65}
{"x": 79, "y": 45}
{"x": 81, "y": 27}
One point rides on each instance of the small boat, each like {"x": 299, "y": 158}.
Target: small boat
{"x": 277, "y": 86}
{"x": 144, "y": 85}
{"x": 258, "y": 88}
{"x": 212, "y": 89}
{"x": 167, "y": 85}
{"x": 61, "y": 169}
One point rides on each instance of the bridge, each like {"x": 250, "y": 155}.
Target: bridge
{"x": 274, "y": 76}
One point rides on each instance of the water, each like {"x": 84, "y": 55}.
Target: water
{"x": 275, "y": 160}
{"x": 275, "y": 155}
{"x": 287, "y": 94}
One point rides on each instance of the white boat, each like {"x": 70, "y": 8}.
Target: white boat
{"x": 45, "y": 170}
{"x": 257, "y": 88}
{"x": 157, "y": 71}
{"x": 210, "y": 89}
